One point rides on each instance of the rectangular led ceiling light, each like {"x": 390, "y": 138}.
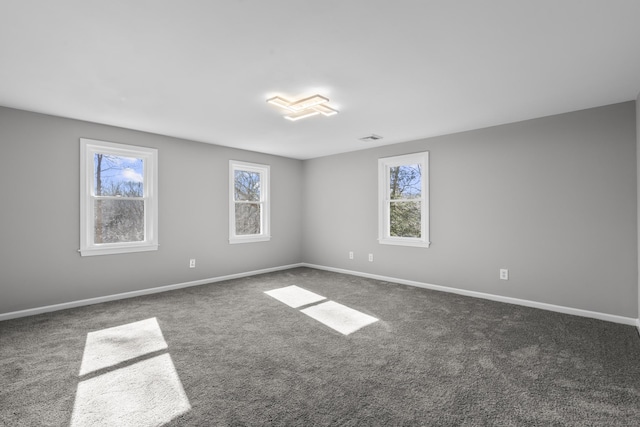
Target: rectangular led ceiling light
{"x": 300, "y": 115}
{"x": 306, "y": 107}
{"x": 303, "y": 104}
{"x": 280, "y": 102}
{"x": 325, "y": 110}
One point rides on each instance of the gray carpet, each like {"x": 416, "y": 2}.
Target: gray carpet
{"x": 244, "y": 358}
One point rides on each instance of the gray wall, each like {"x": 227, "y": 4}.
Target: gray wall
{"x": 551, "y": 199}
{"x": 39, "y": 227}
{"x": 638, "y": 178}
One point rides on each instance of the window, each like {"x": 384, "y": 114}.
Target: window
{"x": 249, "y": 202}
{"x": 404, "y": 200}
{"x": 118, "y": 198}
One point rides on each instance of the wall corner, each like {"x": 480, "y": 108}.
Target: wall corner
{"x": 638, "y": 196}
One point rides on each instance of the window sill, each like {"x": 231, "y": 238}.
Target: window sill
{"x": 111, "y": 250}
{"x": 248, "y": 239}
{"x": 405, "y": 242}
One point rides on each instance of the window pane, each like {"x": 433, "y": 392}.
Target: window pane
{"x": 247, "y": 218}
{"x": 247, "y": 186}
{"x": 119, "y": 221}
{"x": 117, "y": 176}
{"x": 405, "y": 181}
{"x": 405, "y": 219}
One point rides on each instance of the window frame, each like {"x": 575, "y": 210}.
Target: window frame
{"x": 384, "y": 200}
{"x": 265, "y": 198}
{"x": 90, "y": 147}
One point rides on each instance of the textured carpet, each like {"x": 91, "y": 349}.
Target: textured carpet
{"x": 241, "y": 357}
{"x": 125, "y": 381}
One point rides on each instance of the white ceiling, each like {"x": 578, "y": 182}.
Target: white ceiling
{"x": 203, "y": 69}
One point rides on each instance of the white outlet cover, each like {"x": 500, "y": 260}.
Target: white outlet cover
{"x": 504, "y": 274}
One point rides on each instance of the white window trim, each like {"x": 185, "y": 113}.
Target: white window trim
{"x": 89, "y": 147}
{"x": 265, "y": 197}
{"x": 384, "y": 166}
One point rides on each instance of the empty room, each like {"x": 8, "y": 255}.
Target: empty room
{"x": 248, "y": 213}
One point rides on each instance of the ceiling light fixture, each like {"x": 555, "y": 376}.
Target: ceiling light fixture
{"x": 300, "y": 115}
{"x": 280, "y": 102}
{"x": 325, "y": 109}
{"x": 305, "y": 107}
{"x": 309, "y": 102}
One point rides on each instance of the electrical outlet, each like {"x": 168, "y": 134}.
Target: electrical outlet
{"x": 504, "y": 274}
{"x": 192, "y": 263}
{"x": 351, "y": 255}
{"x": 370, "y": 257}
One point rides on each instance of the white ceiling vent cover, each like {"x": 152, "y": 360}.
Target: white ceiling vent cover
{"x": 370, "y": 138}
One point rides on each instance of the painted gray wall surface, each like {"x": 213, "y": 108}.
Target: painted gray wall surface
{"x": 39, "y": 227}
{"x": 638, "y": 178}
{"x": 551, "y": 199}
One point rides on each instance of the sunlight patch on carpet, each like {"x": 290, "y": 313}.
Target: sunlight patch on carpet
{"x": 111, "y": 346}
{"x": 339, "y": 317}
{"x": 294, "y": 296}
{"x": 147, "y": 393}
{"x": 126, "y": 382}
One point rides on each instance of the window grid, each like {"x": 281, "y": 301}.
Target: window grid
{"x": 246, "y": 225}
{"x": 415, "y": 221}
{"x": 138, "y": 227}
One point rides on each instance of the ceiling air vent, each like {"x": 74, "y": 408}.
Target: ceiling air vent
{"x": 371, "y": 138}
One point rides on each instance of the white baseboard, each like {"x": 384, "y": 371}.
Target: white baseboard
{"x": 534, "y": 304}
{"x": 90, "y": 301}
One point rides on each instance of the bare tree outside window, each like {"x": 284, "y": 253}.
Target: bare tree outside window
{"x": 403, "y": 197}
{"x": 246, "y": 191}
{"x": 118, "y": 198}
{"x": 405, "y": 190}
{"x": 118, "y": 203}
{"x": 248, "y": 202}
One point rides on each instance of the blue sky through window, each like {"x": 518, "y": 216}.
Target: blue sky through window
{"x": 405, "y": 181}
{"x": 117, "y": 175}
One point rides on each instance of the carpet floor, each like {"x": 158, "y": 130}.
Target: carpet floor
{"x": 230, "y": 354}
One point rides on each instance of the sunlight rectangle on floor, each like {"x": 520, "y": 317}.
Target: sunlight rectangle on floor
{"x": 339, "y": 317}
{"x": 294, "y": 296}
{"x": 110, "y": 346}
{"x": 145, "y": 394}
